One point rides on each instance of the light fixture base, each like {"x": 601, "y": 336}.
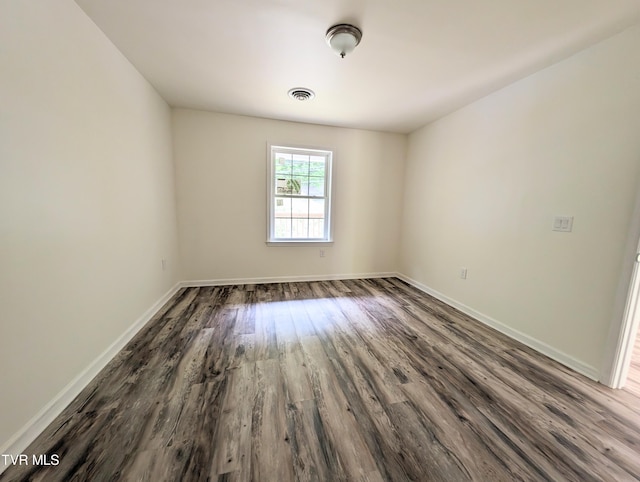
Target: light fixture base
{"x": 343, "y": 38}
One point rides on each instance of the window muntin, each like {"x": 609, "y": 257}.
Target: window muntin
{"x": 299, "y": 195}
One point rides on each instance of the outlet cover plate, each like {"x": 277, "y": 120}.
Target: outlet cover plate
{"x": 563, "y": 224}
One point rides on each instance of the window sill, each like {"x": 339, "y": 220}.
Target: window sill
{"x": 299, "y": 243}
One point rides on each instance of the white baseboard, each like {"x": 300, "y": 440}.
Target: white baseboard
{"x": 557, "y": 355}
{"x": 34, "y": 427}
{"x": 283, "y": 279}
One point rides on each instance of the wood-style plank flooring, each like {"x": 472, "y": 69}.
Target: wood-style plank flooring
{"x": 633, "y": 377}
{"x": 359, "y": 380}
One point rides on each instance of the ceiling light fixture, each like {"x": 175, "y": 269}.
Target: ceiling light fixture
{"x": 301, "y": 93}
{"x": 343, "y": 38}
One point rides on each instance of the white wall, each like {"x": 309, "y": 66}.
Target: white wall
{"x": 483, "y": 184}
{"x": 87, "y": 201}
{"x": 221, "y": 163}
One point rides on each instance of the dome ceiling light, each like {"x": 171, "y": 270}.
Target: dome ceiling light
{"x": 343, "y": 38}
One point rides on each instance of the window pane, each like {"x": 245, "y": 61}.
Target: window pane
{"x": 300, "y": 185}
{"x": 316, "y": 186}
{"x": 300, "y": 167}
{"x": 282, "y": 228}
{"x": 283, "y": 163}
{"x": 316, "y": 218}
{"x": 299, "y": 208}
{"x": 282, "y": 207}
{"x": 316, "y": 208}
{"x": 316, "y": 228}
{"x": 317, "y": 166}
{"x": 300, "y": 228}
{"x": 300, "y": 215}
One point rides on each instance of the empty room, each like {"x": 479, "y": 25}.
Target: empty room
{"x": 287, "y": 240}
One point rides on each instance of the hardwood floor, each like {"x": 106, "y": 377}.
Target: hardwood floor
{"x": 633, "y": 378}
{"x": 360, "y": 380}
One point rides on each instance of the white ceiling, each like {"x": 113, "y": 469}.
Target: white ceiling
{"x": 418, "y": 59}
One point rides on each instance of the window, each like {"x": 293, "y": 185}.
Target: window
{"x": 299, "y": 195}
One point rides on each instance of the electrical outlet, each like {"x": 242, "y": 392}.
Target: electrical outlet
{"x": 322, "y": 253}
{"x": 463, "y": 273}
{"x": 563, "y": 224}
{"x": 164, "y": 264}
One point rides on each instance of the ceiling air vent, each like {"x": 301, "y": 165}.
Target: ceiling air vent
{"x": 300, "y": 93}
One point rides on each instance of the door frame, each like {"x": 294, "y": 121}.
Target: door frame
{"x": 626, "y": 311}
{"x": 628, "y": 331}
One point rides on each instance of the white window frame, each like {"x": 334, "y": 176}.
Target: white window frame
{"x": 327, "y": 238}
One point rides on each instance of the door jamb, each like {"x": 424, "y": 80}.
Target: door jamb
{"x": 626, "y": 311}
{"x": 628, "y": 331}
